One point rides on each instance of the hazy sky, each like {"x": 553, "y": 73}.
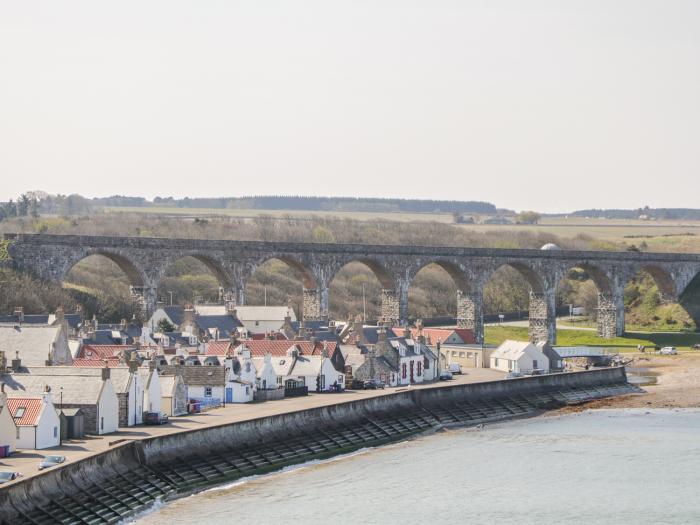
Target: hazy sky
{"x": 554, "y": 105}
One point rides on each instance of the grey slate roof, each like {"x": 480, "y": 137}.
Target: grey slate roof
{"x": 79, "y": 389}
{"x": 32, "y": 342}
{"x": 198, "y": 375}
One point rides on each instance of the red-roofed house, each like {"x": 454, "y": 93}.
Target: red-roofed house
{"x": 448, "y": 336}
{"x": 37, "y": 422}
{"x": 258, "y": 348}
{"x": 111, "y": 362}
{"x": 102, "y": 351}
{"x": 220, "y": 348}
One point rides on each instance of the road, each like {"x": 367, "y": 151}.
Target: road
{"x": 26, "y": 461}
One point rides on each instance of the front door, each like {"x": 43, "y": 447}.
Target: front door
{"x": 229, "y": 394}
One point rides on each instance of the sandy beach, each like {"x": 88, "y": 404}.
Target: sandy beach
{"x": 677, "y": 384}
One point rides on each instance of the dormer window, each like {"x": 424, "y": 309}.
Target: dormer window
{"x": 20, "y": 412}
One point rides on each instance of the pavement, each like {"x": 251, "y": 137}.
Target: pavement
{"x": 26, "y": 461}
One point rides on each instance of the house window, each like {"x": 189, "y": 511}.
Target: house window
{"x": 247, "y": 390}
{"x": 102, "y": 423}
{"x": 495, "y": 362}
{"x": 55, "y": 431}
{"x": 207, "y": 391}
{"x": 420, "y": 368}
{"x": 17, "y": 432}
{"x": 20, "y": 412}
{"x": 323, "y": 382}
{"x": 534, "y": 363}
{"x": 403, "y": 371}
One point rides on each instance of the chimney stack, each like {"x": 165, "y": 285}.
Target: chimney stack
{"x": 105, "y": 371}
{"x": 133, "y": 363}
{"x": 188, "y": 317}
{"x": 16, "y": 362}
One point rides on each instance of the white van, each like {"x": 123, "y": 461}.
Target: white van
{"x": 455, "y": 368}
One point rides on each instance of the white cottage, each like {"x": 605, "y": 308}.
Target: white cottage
{"x": 519, "y": 356}
{"x": 37, "y": 422}
{"x": 152, "y": 394}
{"x": 317, "y": 373}
{"x": 8, "y": 430}
{"x": 411, "y": 361}
{"x": 241, "y": 376}
{"x": 72, "y": 387}
{"x": 266, "y": 375}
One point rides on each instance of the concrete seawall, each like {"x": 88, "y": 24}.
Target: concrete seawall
{"x": 80, "y": 484}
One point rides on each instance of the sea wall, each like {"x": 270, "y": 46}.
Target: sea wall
{"x": 86, "y": 476}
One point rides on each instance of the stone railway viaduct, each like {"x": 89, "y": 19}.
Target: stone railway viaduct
{"x": 145, "y": 261}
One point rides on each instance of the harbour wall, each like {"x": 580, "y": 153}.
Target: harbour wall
{"x": 74, "y": 479}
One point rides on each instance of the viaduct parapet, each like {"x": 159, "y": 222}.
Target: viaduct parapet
{"x": 145, "y": 261}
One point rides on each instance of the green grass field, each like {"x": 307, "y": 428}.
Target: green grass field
{"x": 495, "y": 335}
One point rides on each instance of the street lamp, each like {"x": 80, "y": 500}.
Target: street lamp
{"x": 60, "y": 434}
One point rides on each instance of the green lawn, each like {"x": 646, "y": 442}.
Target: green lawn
{"x": 497, "y": 334}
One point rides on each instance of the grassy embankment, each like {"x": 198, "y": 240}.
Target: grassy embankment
{"x": 495, "y": 335}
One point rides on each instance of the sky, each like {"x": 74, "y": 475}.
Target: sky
{"x": 548, "y": 105}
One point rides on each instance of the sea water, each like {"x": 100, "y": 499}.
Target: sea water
{"x": 601, "y": 467}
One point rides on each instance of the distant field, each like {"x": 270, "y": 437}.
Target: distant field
{"x": 657, "y": 235}
{"x": 495, "y": 335}
{"x": 249, "y": 213}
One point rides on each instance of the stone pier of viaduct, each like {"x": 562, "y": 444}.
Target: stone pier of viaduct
{"x": 145, "y": 261}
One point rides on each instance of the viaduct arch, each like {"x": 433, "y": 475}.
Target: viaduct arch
{"x": 145, "y": 260}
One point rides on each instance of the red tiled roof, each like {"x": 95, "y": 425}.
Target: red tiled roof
{"x": 101, "y": 351}
{"x": 307, "y": 349}
{"x": 258, "y": 348}
{"x": 219, "y": 348}
{"x": 32, "y": 410}
{"x": 112, "y": 362}
{"x": 466, "y": 335}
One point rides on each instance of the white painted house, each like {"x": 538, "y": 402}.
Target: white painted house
{"x": 152, "y": 394}
{"x": 8, "y": 430}
{"x": 72, "y": 387}
{"x": 37, "y": 422}
{"x": 519, "y": 356}
{"x": 266, "y": 375}
{"x": 411, "y": 361}
{"x": 241, "y": 376}
{"x": 315, "y": 372}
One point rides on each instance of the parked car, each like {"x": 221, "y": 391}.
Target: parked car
{"x": 154, "y": 418}
{"x": 373, "y": 384}
{"x": 455, "y": 368}
{"x": 668, "y": 350}
{"x": 357, "y": 384}
{"x": 6, "y": 476}
{"x": 51, "y": 461}
{"x": 445, "y": 375}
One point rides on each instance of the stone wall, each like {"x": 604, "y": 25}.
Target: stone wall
{"x": 81, "y": 475}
